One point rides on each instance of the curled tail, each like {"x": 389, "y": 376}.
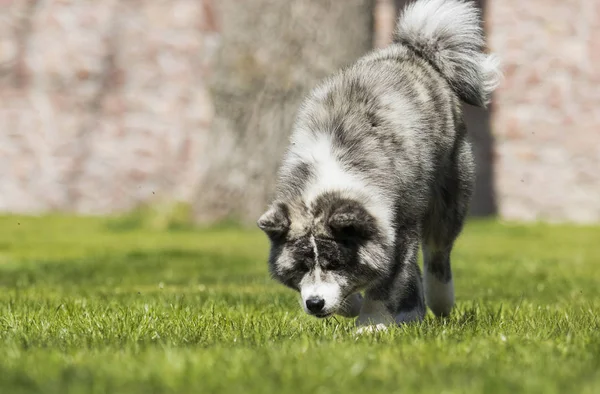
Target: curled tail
{"x": 448, "y": 34}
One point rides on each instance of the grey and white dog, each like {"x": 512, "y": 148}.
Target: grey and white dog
{"x": 379, "y": 163}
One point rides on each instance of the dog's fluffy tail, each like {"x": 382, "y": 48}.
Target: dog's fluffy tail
{"x": 448, "y": 34}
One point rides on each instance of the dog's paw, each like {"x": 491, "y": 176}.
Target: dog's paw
{"x": 414, "y": 316}
{"x": 371, "y": 329}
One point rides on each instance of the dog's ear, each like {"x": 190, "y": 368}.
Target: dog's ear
{"x": 275, "y": 222}
{"x": 351, "y": 220}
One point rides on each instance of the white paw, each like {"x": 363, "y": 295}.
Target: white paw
{"x": 371, "y": 329}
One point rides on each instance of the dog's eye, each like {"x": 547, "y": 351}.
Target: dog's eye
{"x": 331, "y": 265}
{"x": 304, "y": 255}
{"x": 345, "y": 234}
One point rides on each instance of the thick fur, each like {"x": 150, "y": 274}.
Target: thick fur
{"x": 379, "y": 164}
{"x": 448, "y": 34}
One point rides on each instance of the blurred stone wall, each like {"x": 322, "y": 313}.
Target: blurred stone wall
{"x": 105, "y": 105}
{"x": 272, "y": 52}
{"x": 546, "y": 120}
{"x": 108, "y": 104}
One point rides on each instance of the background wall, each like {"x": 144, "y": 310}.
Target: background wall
{"x": 105, "y": 105}
{"x": 271, "y": 53}
{"x": 546, "y": 115}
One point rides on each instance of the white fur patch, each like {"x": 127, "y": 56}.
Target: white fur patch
{"x": 371, "y": 329}
{"x": 285, "y": 261}
{"x": 316, "y": 149}
{"x": 329, "y": 173}
{"x": 315, "y": 249}
{"x": 313, "y": 286}
{"x": 374, "y": 313}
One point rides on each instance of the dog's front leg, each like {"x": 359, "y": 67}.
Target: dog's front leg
{"x": 351, "y": 306}
{"x": 374, "y": 316}
{"x": 398, "y": 299}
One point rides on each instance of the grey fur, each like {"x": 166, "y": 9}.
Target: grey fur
{"x": 379, "y": 163}
{"x": 448, "y": 34}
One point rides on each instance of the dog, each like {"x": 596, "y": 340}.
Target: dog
{"x": 378, "y": 166}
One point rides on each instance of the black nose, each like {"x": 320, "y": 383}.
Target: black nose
{"x": 315, "y": 304}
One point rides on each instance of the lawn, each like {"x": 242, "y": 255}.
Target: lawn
{"x": 109, "y": 306}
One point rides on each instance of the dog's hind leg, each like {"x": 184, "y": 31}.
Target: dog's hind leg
{"x": 437, "y": 280}
{"x": 442, "y": 226}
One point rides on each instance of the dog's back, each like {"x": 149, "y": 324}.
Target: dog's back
{"x": 389, "y": 121}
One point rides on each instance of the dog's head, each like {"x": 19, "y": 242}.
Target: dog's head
{"x": 327, "y": 251}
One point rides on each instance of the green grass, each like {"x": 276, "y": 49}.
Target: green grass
{"x": 103, "y": 305}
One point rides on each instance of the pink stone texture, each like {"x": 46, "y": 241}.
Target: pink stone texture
{"x": 546, "y": 114}
{"x": 105, "y": 105}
